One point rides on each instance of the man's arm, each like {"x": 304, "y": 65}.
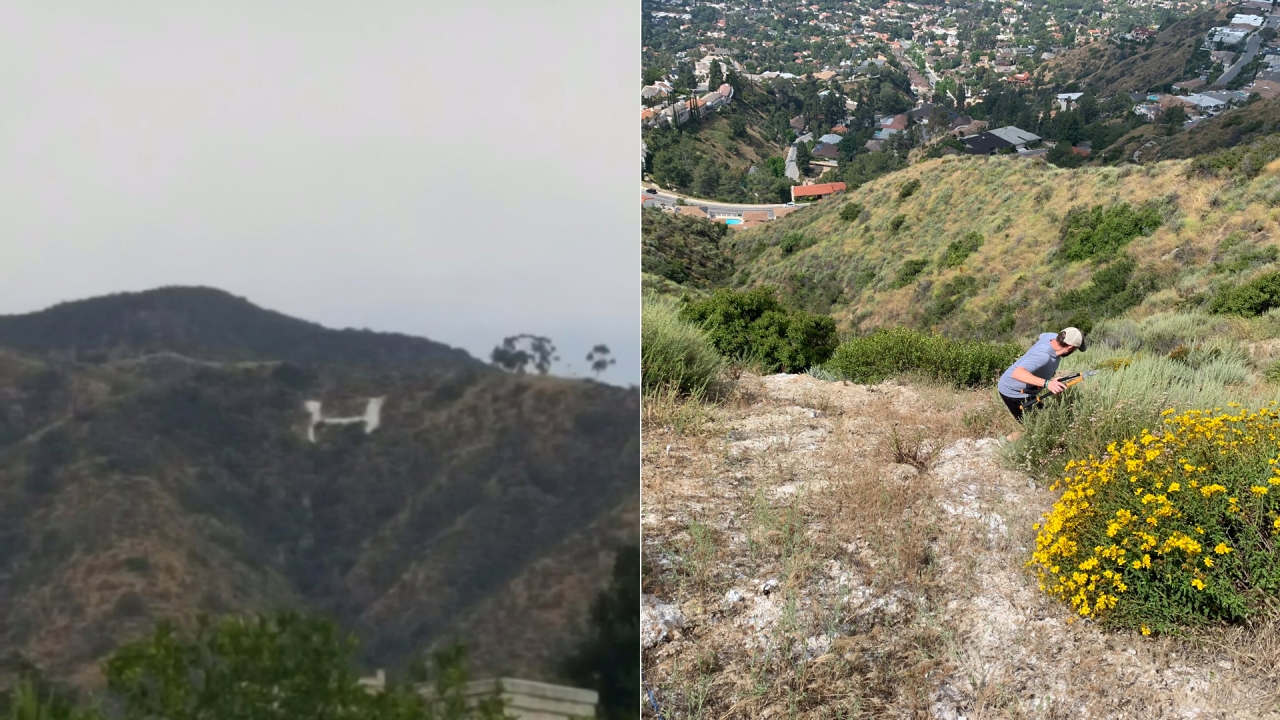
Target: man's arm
{"x": 1024, "y": 375}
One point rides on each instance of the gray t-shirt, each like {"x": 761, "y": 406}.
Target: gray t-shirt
{"x": 1040, "y": 361}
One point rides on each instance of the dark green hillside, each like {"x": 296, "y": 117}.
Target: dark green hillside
{"x": 683, "y": 249}
{"x": 486, "y": 507}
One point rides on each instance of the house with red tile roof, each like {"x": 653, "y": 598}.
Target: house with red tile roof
{"x": 815, "y": 192}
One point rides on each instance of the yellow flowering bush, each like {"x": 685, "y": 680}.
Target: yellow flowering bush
{"x": 1172, "y": 527}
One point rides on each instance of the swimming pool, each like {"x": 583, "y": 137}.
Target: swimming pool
{"x": 732, "y": 221}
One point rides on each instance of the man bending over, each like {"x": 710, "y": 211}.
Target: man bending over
{"x": 1035, "y": 370}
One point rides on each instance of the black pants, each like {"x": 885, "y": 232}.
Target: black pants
{"x": 1014, "y": 405}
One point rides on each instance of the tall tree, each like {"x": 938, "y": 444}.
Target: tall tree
{"x": 803, "y": 157}
{"x": 600, "y": 359}
{"x": 607, "y": 660}
{"x": 716, "y": 76}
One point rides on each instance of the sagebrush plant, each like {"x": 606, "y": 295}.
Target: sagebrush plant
{"x": 1128, "y": 394}
{"x": 894, "y": 352}
{"x": 675, "y": 355}
{"x": 1171, "y": 527}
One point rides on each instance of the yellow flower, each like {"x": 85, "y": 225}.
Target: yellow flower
{"x": 1174, "y": 487}
{"x": 1197, "y": 583}
{"x": 1222, "y": 549}
{"x": 1145, "y": 630}
{"x": 1258, "y": 490}
{"x": 1208, "y": 562}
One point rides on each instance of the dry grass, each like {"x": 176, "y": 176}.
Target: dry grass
{"x": 878, "y": 555}
{"x": 1030, "y": 198}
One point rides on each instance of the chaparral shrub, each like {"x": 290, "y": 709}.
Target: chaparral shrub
{"x": 754, "y": 327}
{"x": 675, "y": 355}
{"x": 1176, "y": 526}
{"x": 892, "y": 352}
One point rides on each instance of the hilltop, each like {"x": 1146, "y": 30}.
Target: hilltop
{"x": 155, "y": 463}
{"x": 210, "y": 324}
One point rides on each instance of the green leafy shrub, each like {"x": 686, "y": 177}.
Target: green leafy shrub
{"x": 1272, "y": 373}
{"x": 1169, "y": 529}
{"x": 1250, "y": 299}
{"x": 948, "y": 298}
{"x": 896, "y": 223}
{"x": 908, "y": 189}
{"x": 675, "y": 355}
{"x": 754, "y": 326}
{"x": 851, "y": 212}
{"x": 959, "y": 250}
{"x": 279, "y": 666}
{"x": 909, "y": 271}
{"x": 1113, "y": 289}
{"x": 892, "y": 352}
{"x": 794, "y": 240}
{"x": 1101, "y": 231}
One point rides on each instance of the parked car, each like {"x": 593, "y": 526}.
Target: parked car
{"x": 652, "y": 191}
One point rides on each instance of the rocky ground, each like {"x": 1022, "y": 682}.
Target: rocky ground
{"x": 824, "y": 549}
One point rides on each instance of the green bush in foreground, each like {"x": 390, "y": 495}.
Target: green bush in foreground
{"x": 753, "y": 326}
{"x": 892, "y": 352}
{"x": 675, "y": 355}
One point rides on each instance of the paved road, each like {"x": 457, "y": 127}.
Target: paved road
{"x": 1250, "y": 49}
{"x": 669, "y": 199}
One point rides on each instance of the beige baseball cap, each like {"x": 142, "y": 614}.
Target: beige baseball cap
{"x": 1074, "y": 338}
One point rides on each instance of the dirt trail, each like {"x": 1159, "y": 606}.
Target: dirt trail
{"x": 803, "y": 572}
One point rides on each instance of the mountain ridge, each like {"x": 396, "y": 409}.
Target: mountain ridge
{"x": 208, "y": 323}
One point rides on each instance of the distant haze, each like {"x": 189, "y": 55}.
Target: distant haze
{"x": 457, "y": 172}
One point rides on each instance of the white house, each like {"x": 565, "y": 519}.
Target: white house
{"x": 1250, "y": 22}
{"x": 1017, "y": 137}
{"x": 1204, "y": 102}
{"x": 1065, "y": 99}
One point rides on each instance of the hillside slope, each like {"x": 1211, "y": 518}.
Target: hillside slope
{"x": 1108, "y": 68}
{"x": 1213, "y": 230}
{"x": 485, "y": 506}
{"x": 1234, "y": 127}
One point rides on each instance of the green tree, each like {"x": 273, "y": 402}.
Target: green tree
{"x": 803, "y": 157}
{"x": 738, "y": 125}
{"x": 1173, "y": 118}
{"x": 706, "y": 179}
{"x": 599, "y": 359}
{"x": 511, "y": 357}
{"x": 607, "y": 660}
{"x": 716, "y": 76}
{"x": 280, "y": 667}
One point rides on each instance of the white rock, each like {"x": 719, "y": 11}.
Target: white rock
{"x": 657, "y": 620}
{"x": 732, "y": 597}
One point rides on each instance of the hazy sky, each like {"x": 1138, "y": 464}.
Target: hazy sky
{"x": 449, "y": 170}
